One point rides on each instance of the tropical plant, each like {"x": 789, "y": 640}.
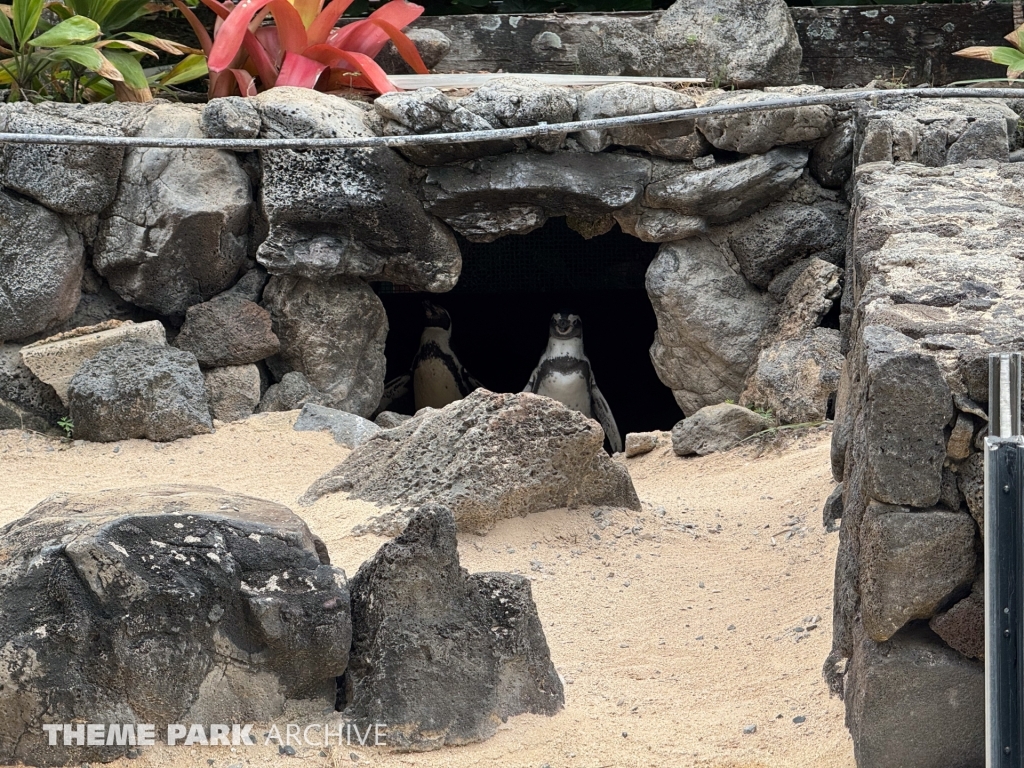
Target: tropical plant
{"x": 1011, "y": 58}
{"x": 75, "y": 50}
{"x": 302, "y": 47}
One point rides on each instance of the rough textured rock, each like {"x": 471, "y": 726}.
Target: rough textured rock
{"x": 21, "y": 387}
{"x": 958, "y": 447}
{"x": 41, "y": 264}
{"x": 831, "y": 160}
{"x": 832, "y": 511}
{"x": 235, "y": 613}
{"x": 615, "y": 47}
{"x": 962, "y": 627}
{"x": 333, "y": 212}
{"x": 177, "y": 231}
{"x": 971, "y": 482}
{"x": 659, "y": 225}
{"x": 796, "y": 378}
{"x": 728, "y": 192}
{"x": 74, "y": 180}
{"x": 230, "y": 117}
{"x": 754, "y": 133}
{"x": 310, "y": 318}
{"x": 491, "y": 197}
{"x": 234, "y": 391}
{"x": 746, "y": 43}
{"x": 390, "y": 419}
{"x": 983, "y": 140}
{"x": 915, "y": 703}
{"x": 289, "y": 394}
{"x": 139, "y": 390}
{"x": 439, "y": 655}
{"x": 490, "y": 457}
{"x": 227, "y": 330}
{"x": 777, "y": 236}
{"x": 347, "y": 429}
{"x": 512, "y": 102}
{"x": 13, "y": 416}
{"x": 906, "y": 412}
{"x": 639, "y": 443}
{"x": 431, "y": 44}
{"x": 815, "y": 288}
{"x": 913, "y": 563}
{"x": 710, "y": 323}
{"x": 57, "y": 359}
{"x": 716, "y": 428}
{"x": 672, "y": 140}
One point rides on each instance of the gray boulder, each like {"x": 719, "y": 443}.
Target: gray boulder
{"x": 671, "y": 140}
{"x": 230, "y": 117}
{"x": 832, "y": 510}
{"x": 532, "y": 186}
{"x": 234, "y": 391}
{"x": 616, "y": 47}
{"x": 796, "y": 378}
{"x": 177, "y": 231}
{"x": 20, "y": 387}
{"x": 716, "y": 428}
{"x": 390, "y": 419}
{"x": 73, "y": 180}
{"x": 745, "y": 43}
{"x": 41, "y": 264}
{"x": 439, "y": 655}
{"x": 831, "y": 161}
{"x": 935, "y": 695}
{"x": 811, "y": 295}
{"x": 711, "y": 323}
{"x": 660, "y": 225}
{"x": 334, "y": 212}
{"x": 639, "y": 443}
{"x": 227, "y": 330}
{"x": 431, "y": 44}
{"x": 347, "y": 429}
{"x": 983, "y": 140}
{"x": 971, "y": 484}
{"x": 139, "y": 391}
{"x": 332, "y": 332}
{"x": 13, "y": 416}
{"x": 292, "y": 392}
{"x": 487, "y": 457}
{"x": 962, "y": 627}
{"x": 515, "y": 101}
{"x": 754, "y": 133}
{"x": 728, "y": 192}
{"x": 236, "y": 616}
{"x": 913, "y": 563}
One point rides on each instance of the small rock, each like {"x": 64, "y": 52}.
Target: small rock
{"x": 347, "y": 428}
{"x": 748, "y": 729}
{"x": 286, "y": 749}
{"x": 638, "y": 443}
{"x": 799, "y": 719}
{"x": 716, "y": 428}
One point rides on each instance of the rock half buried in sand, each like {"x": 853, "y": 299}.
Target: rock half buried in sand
{"x": 346, "y": 428}
{"x": 487, "y": 457}
{"x": 443, "y": 657}
{"x": 716, "y": 428}
{"x": 233, "y": 610}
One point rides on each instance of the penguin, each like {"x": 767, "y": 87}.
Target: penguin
{"x": 436, "y": 377}
{"x": 564, "y": 374}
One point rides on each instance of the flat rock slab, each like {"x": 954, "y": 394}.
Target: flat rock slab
{"x": 346, "y": 428}
{"x": 487, "y": 457}
{"x": 439, "y": 655}
{"x": 56, "y": 360}
{"x": 716, "y": 428}
{"x": 234, "y": 612}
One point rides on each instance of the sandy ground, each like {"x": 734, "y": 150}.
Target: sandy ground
{"x": 675, "y": 629}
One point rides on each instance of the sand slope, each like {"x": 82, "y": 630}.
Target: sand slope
{"x": 674, "y": 628}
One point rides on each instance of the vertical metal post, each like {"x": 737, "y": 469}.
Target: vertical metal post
{"x": 1004, "y": 566}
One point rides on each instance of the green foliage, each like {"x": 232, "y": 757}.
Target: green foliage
{"x": 1011, "y": 58}
{"x": 76, "y": 50}
{"x": 67, "y": 425}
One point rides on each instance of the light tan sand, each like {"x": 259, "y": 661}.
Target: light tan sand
{"x": 673, "y": 630}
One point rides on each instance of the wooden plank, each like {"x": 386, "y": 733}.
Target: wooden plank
{"x": 475, "y": 80}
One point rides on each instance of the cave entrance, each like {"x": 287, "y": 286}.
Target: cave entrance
{"x": 504, "y": 300}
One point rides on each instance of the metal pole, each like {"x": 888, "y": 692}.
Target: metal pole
{"x": 1004, "y": 566}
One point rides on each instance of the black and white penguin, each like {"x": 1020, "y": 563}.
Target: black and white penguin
{"x": 436, "y": 377}
{"x": 564, "y": 374}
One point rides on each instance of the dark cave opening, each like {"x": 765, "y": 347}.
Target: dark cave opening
{"x": 503, "y": 302}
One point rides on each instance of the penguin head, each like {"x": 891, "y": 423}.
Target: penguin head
{"x": 566, "y": 325}
{"x": 437, "y": 317}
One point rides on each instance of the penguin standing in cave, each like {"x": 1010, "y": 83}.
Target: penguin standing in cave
{"x": 436, "y": 377}
{"x": 564, "y": 374}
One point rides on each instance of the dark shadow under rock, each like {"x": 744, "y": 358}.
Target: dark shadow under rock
{"x": 487, "y": 457}
{"x": 168, "y": 604}
{"x": 439, "y": 655}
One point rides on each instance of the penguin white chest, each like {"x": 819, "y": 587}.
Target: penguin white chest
{"x": 570, "y": 389}
{"x": 434, "y": 385}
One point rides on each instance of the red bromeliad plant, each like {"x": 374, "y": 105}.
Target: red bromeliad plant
{"x": 303, "y": 47}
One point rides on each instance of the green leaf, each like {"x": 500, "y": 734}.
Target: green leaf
{"x": 6, "y": 30}
{"x": 77, "y": 29}
{"x": 26, "y": 18}
{"x": 1009, "y": 57}
{"x": 111, "y": 15}
{"x": 129, "y": 68}
{"x": 188, "y": 69}
{"x": 87, "y": 57}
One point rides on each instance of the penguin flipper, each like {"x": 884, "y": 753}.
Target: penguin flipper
{"x": 473, "y": 382}
{"x": 604, "y": 415}
{"x": 531, "y": 385}
{"x": 394, "y": 390}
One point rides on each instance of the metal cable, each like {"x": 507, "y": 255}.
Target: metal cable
{"x": 524, "y": 132}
